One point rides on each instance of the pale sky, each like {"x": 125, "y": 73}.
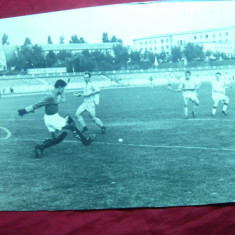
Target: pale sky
{"x": 125, "y": 21}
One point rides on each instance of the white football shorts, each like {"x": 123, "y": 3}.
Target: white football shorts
{"x": 89, "y": 107}
{"x": 219, "y": 96}
{"x": 54, "y": 122}
{"x": 191, "y": 95}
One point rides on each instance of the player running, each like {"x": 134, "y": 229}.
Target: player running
{"x": 219, "y": 86}
{"x": 189, "y": 88}
{"x": 91, "y": 94}
{"x": 53, "y": 121}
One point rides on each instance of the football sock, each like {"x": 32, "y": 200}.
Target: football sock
{"x": 52, "y": 141}
{"x": 225, "y": 106}
{"x": 213, "y": 110}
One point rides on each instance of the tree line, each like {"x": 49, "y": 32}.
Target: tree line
{"x": 31, "y": 56}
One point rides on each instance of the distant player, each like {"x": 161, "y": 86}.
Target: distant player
{"x": 219, "y": 86}
{"x": 91, "y": 94}
{"x": 151, "y": 82}
{"x": 53, "y": 121}
{"x": 189, "y": 88}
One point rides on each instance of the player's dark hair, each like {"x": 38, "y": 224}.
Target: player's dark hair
{"x": 218, "y": 73}
{"x": 89, "y": 74}
{"x": 60, "y": 83}
{"x": 188, "y": 72}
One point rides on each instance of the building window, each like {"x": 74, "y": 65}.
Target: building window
{"x": 162, "y": 47}
{"x": 220, "y": 34}
{"x": 141, "y": 43}
{"x": 195, "y": 37}
{"x": 167, "y": 47}
{"x": 166, "y": 40}
{"x": 226, "y": 33}
{"x": 150, "y": 42}
{"x": 155, "y": 48}
{"x": 146, "y": 43}
{"x": 154, "y": 41}
{"x": 162, "y": 41}
{"x": 206, "y": 35}
{"x": 213, "y": 35}
{"x": 150, "y": 48}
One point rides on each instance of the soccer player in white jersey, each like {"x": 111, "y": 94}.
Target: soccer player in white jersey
{"x": 219, "y": 86}
{"x": 91, "y": 95}
{"x": 189, "y": 88}
{"x": 53, "y": 121}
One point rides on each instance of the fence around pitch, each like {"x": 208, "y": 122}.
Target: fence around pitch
{"x": 32, "y": 84}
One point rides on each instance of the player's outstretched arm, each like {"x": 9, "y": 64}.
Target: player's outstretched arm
{"x": 26, "y": 110}
{"x": 174, "y": 90}
{"x": 30, "y": 109}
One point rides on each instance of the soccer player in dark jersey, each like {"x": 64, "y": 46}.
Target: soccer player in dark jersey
{"x": 53, "y": 121}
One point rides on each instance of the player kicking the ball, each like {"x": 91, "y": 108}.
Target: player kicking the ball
{"x": 189, "y": 88}
{"x": 91, "y": 94}
{"x": 53, "y": 121}
{"x": 219, "y": 86}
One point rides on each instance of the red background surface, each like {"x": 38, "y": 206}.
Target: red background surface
{"x": 212, "y": 219}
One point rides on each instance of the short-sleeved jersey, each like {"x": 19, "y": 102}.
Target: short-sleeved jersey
{"x": 188, "y": 86}
{"x": 50, "y": 102}
{"x": 88, "y": 92}
{"x": 218, "y": 86}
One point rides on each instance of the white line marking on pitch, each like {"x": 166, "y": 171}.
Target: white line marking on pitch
{"x": 7, "y": 132}
{"x": 146, "y": 145}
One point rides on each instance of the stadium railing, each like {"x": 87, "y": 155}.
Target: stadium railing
{"x": 42, "y": 83}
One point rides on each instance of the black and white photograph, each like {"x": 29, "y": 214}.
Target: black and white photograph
{"x": 118, "y": 106}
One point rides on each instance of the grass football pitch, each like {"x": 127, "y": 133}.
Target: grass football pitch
{"x": 164, "y": 160}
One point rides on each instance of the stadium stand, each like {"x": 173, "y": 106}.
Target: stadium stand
{"x": 41, "y": 83}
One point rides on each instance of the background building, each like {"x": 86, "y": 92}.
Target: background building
{"x": 79, "y": 47}
{"x": 220, "y": 39}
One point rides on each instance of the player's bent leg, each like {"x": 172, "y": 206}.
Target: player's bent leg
{"x": 78, "y": 114}
{"x": 214, "y": 108}
{"x": 39, "y": 148}
{"x": 196, "y": 104}
{"x": 225, "y": 101}
{"x": 83, "y": 124}
{"x": 69, "y": 120}
{"x": 98, "y": 122}
{"x": 186, "y": 108}
{"x": 77, "y": 133}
